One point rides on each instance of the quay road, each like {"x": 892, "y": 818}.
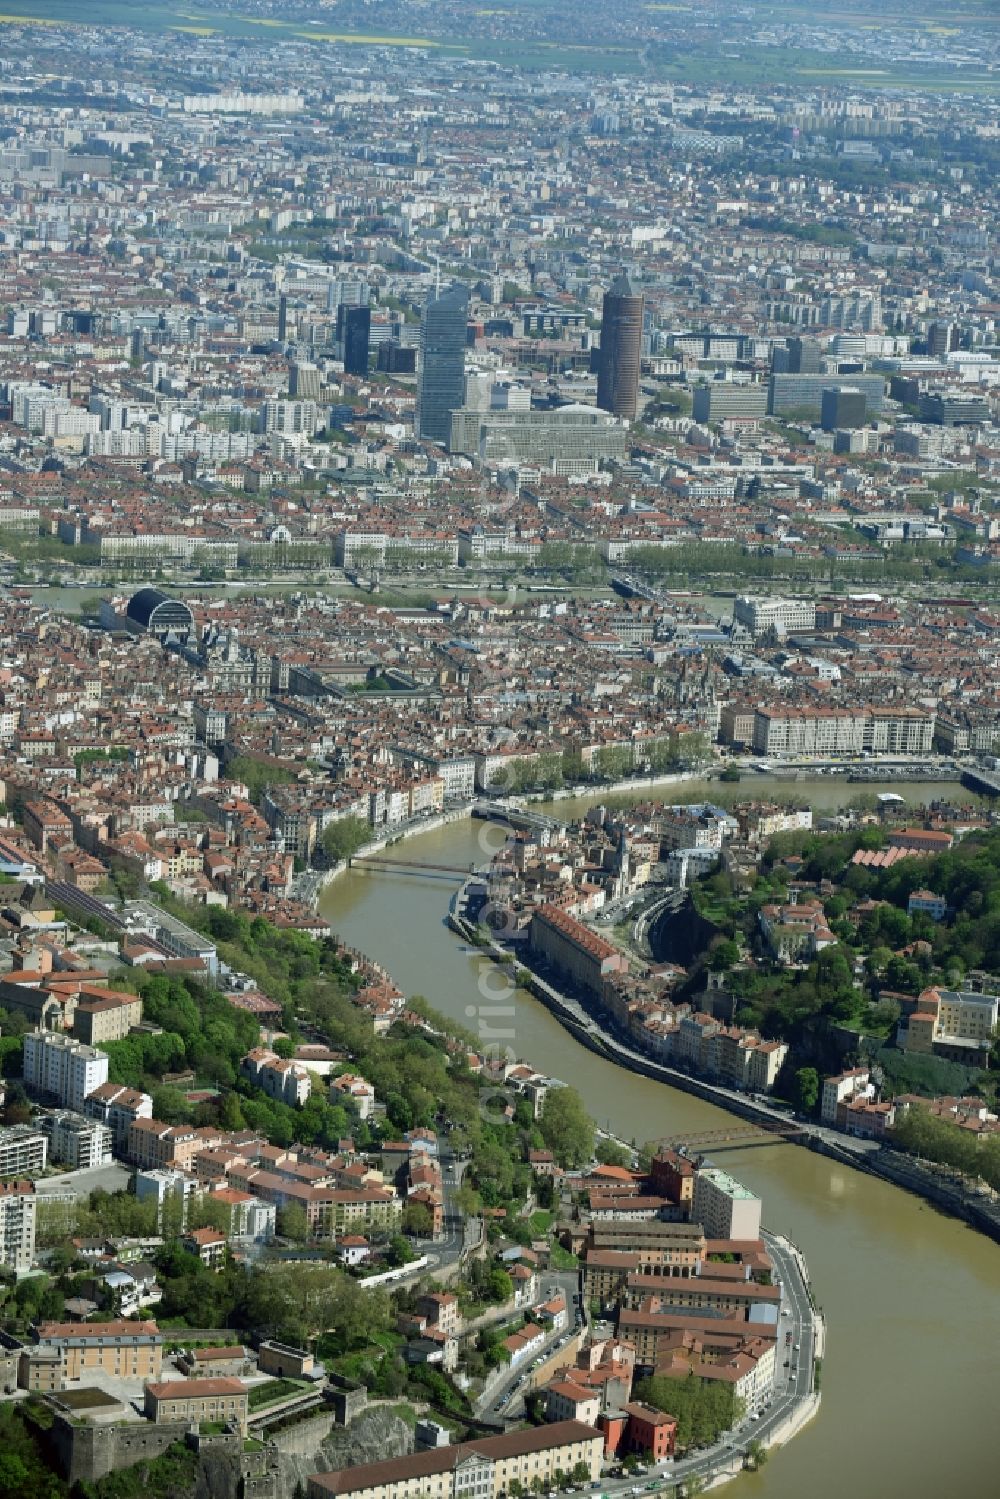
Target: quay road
{"x": 498, "y": 1402}
{"x": 792, "y": 1402}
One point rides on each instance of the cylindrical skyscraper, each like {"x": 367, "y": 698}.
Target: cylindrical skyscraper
{"x": 621, "y": 349}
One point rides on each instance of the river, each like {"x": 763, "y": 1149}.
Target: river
{"x": 912, "y": 1298}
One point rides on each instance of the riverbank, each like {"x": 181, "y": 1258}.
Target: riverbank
{"x": 315, "y": 881}
{"x": 861, "y": 1155}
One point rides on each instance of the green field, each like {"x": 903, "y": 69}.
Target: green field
{"x": 656, "y": 55}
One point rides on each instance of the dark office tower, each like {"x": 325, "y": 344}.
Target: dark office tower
{"x": 621, "y": 350}
{"x": 805, "y": 356}
{"x": 357, "y": 331}
{"x": 941, "y": 339}
{"x": 843, "y": 407}
{"x": 442, "y": 362}
{"x": 282, "y": 318}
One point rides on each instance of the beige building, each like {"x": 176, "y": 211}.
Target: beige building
{"x": 198, "y": 1400}
{"x": 108, "y": 1016}
{"x": 481, "y": 1469}
{"x": 958, "y": 1025}
{"x": 127, "y": 1350}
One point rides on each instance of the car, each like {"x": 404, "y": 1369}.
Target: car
{"x": 797, "y": 1347}
{"x": 755, "y": 1415}
{"x": 785, "y": 1312}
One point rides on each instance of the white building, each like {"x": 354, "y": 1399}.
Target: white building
{"x": 288, "y": 1082}
{"x": 724, "y": 1207}
{"x": 781, "y": 615}
{"x": 17, "y": 1226}
{"x": 23, "y": 1150}
{"x": 78, "y": 1142}
{"x": 856, "y": 1083}
{"x": 66, "y": 1068}
{"x": 161, "y": 1182}
{"x": 349, "y": 1088}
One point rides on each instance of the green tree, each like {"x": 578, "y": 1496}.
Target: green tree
{"x": 344, "y": 837}
{"x": 756, "y": 1455}
{"x": 610, "y": 1153}
{"x": 418, "y": 1220}
{"x": 567, "y": 1128}
{"x": 723, "y": 955}
{"x": 292, "y": 1222}
{"x": 806, "y": 1090}
{"x": 500, "y": 1285}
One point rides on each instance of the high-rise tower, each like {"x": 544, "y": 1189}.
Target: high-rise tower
{"x": 356, "y": 336}
{"x": 442, "y": 362}
{"x": 621, "y": 349}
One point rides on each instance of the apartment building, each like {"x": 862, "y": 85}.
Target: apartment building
{"x": 855, "y": 1083}
{"x": 118, "y": 1107}
{"x": 62, "y": 1066}
{"x": 898, "y": 731}
{"x": 23, "y": 1150}
{"x": 153, "y": 1143}
{"x": 287, "y": 1082}
{"x": 330, "y": 1211}
{"x": 481, "y": 1469}
{"x": 350, "y": 1089}
{"x": 161, "y": 1183}
{"x": 197, "y": 1400}
{"x": 17, "y": 1225}
{"x": 724, "y": 1208}
{"x": 808, "y": 731}
{"x": 124, "y": 1350}
{"x": 673, "y": 1175}
{"x": 76, "y": 1141}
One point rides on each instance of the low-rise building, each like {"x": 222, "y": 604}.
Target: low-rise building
{"x": 926, "y": 903}
{"x": 208, "y": 1244}
{"x": 481, "y": 1469}
{"x": 124, "y": 1350}
{"x": 196, "y": 1400}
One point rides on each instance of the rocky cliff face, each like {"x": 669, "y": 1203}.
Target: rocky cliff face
{"x": 372, "y": 1437}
